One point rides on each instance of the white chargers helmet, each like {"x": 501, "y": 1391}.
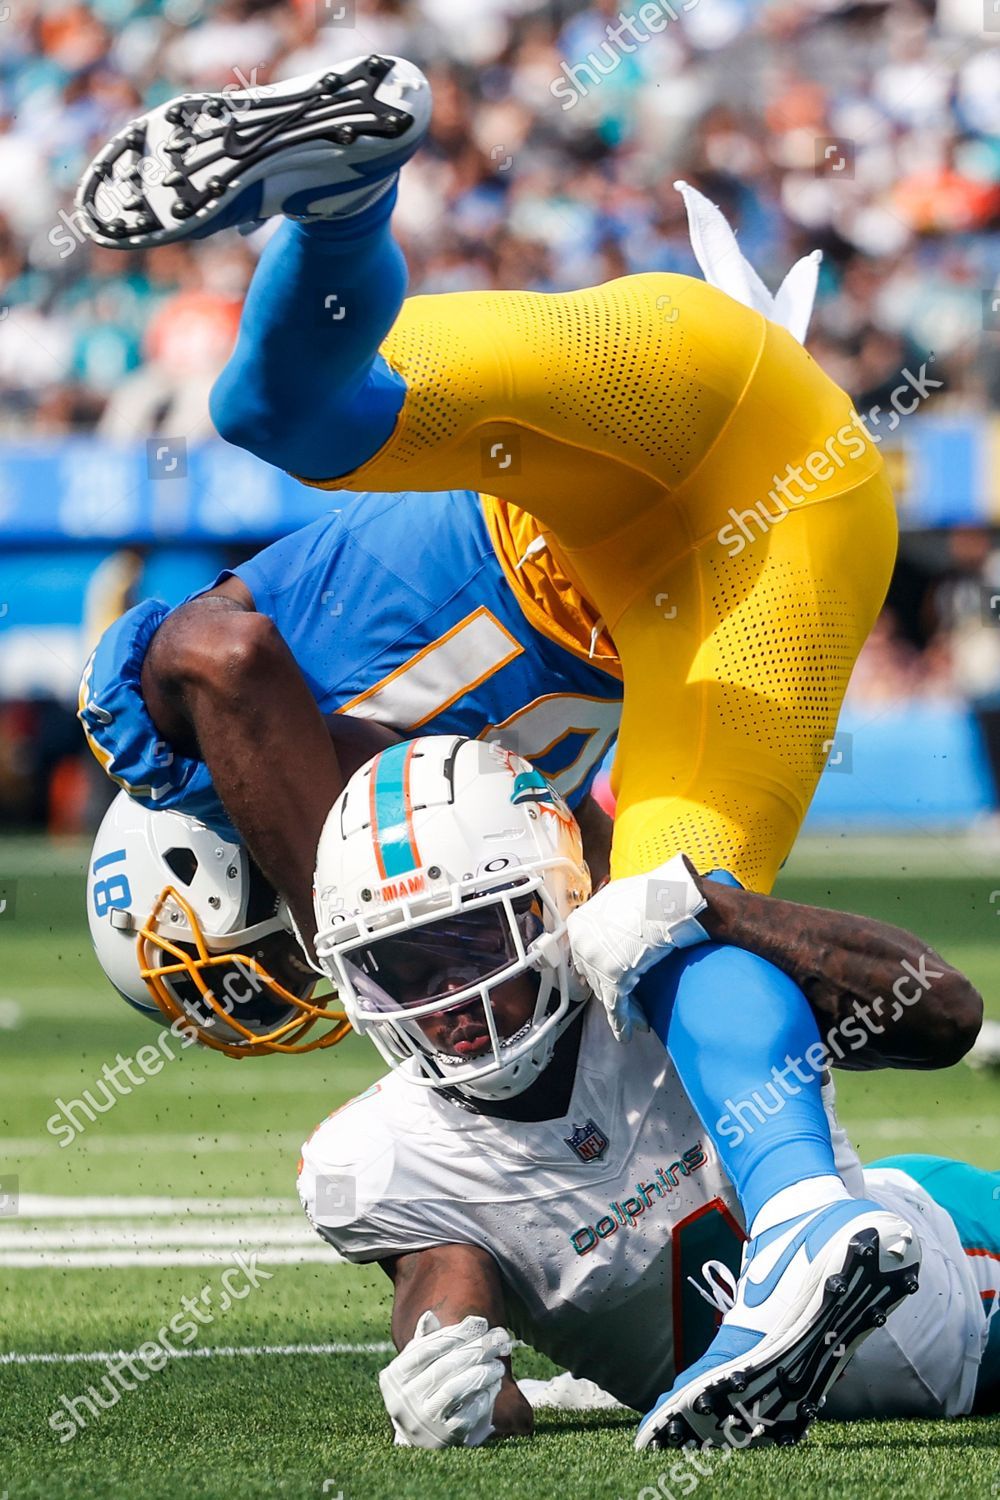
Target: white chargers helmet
{"x": 445, "y": 874}
{"x": 188, "y": 930}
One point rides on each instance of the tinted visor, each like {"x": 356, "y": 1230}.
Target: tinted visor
{"x": 441, "y": 959}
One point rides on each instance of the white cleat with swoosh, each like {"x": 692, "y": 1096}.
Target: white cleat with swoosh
{"x": 315, "y": 147}
{"x": 811, "y": 1289}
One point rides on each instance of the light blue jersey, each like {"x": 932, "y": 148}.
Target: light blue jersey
{"x": 396, "y": 609}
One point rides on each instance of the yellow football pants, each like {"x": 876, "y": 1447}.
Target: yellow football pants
{"x": 716, "y": 499}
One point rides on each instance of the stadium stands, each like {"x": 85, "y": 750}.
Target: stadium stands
{"x": 870, "y": 130}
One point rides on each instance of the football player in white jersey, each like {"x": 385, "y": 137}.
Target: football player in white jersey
{"x": 511, "y": 1173}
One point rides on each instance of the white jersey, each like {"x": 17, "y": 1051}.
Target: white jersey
{"x": 586, "y": 1216}
{"x": 595, "y": 1220}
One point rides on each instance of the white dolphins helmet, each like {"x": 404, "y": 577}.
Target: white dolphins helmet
{"x": 445, "y": 874}
{"x": 188, "y": 930}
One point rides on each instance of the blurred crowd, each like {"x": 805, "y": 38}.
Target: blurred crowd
{"x": 870, "y": 130}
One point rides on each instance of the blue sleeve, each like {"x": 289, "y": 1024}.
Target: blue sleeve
{"x": 124, "y": 738}
{"x": 307, "y": 393}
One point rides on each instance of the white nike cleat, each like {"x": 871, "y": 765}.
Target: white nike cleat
{"x": 811, "y": 1289}
{"x": 315, "y": 147}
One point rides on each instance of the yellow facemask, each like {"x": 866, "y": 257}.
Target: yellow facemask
{"x": 191, "y": 961}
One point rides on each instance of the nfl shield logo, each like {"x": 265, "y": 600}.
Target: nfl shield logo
{"x": 588, "y": 1141}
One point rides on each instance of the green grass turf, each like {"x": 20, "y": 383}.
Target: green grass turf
{"x": 209, "y": 1127}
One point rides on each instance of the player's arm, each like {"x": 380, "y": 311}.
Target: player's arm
{"x": 596, "y": 829}
{"x": 881, "y": 996}
{"x": 451, "y": 1383}
{"x": 220, "y": 683}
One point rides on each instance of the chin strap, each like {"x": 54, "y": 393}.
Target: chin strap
{"x": 307, "y": 949}
{"x": 724, "y": 266}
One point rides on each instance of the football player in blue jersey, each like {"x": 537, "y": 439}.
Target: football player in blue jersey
{"x": 247, "y": 704}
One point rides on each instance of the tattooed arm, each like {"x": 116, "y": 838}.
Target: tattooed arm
{"x": 882, "y": 998}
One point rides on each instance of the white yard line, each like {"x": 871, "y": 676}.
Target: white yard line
{"x": 914, "y": 1127}
{"x": 85, "y": 1233}
{"x": 913, "y": 853}
{"x": 168, "y": 1256}
{"x": 91, "y": 1140}
{"x": 101, "y": 1356}
{"x": 135, "y": 1237}
{"x": 50, "y": 1080}
{"x": 114, "y": 1206}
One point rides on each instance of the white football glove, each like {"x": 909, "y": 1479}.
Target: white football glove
{"x": 441, "y": 1389}
{"x": 626, "y": 928}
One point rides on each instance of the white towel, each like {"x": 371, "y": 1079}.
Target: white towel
{"x": 723, "y": 265}
{"x": 567, "y": 1393}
